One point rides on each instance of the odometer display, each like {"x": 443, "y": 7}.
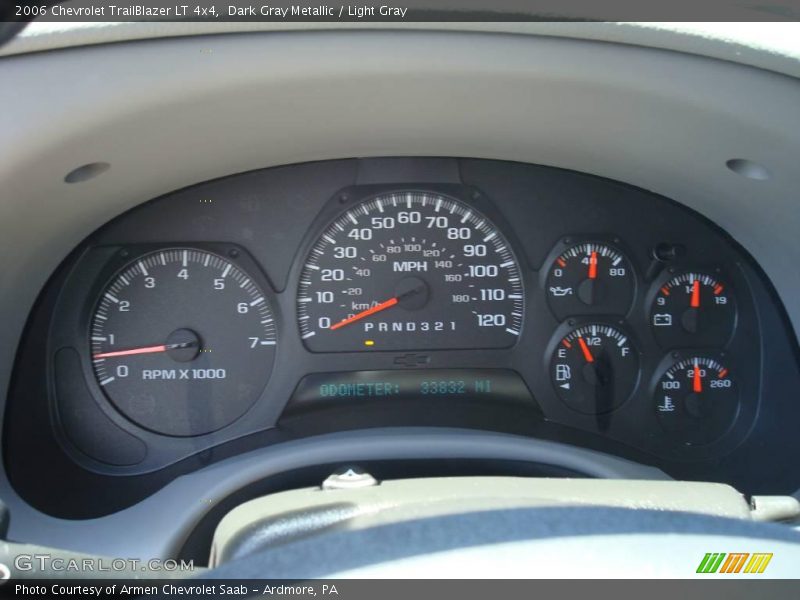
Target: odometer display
{"x": 410, "y": 271}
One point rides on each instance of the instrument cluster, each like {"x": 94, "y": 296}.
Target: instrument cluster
{"x": 521, "y": 299}
{"x": 595, "y": 363}
{"x": 183, "y": 341}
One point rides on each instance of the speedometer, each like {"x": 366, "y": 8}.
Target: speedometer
{"x": 410, "y": 271}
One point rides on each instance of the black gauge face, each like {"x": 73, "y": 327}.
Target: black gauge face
{"x": 696, "y": 400}
{"x": 693, "y": 309}
{"x": 594, "y": 368}
{"x": 182, "y": 341}
{"x": 410, "y": 271}
{"x": 590, "y": 278}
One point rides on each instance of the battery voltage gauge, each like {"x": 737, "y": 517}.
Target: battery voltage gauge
{"x": 693, "y": 309}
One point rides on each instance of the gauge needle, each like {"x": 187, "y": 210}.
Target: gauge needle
{"x": 697, "y": 382}
{"x": 593, "y": 266}
{"x": 365, "y": 313}
{"x": 144, "y": 350}
{"x": 695, "y": 294}
{"x": 586, "y": 353}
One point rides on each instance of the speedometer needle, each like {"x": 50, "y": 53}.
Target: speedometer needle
{"x": 144, "y": 350}
{"x": 366, "y": 313}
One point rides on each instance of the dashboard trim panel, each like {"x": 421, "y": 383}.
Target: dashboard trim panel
{"x": 268, "y": 218}
{"x": 164, "y": 520}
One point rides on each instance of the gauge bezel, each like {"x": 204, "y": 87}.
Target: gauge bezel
{"x": 718, "y": 357}
{"x": 676, "y": 270}
{"x": 99, "y": 265}
{"x": 230, "y": 258}
{"x": 567, "y": 327}
{"x": 572, "y": 240}
{"x": 347, "y": 199}
{"x": 747, "y": 407}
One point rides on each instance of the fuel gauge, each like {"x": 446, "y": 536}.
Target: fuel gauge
{"x": 594, "y": 368}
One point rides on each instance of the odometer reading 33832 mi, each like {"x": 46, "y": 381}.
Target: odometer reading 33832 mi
{"x": 410, "y": 271}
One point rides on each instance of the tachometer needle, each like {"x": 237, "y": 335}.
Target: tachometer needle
{"x": 144, "y": 350}
{"x": 695, "y": 294}
{"x": 366, "y": 313}
{"x": 697, "y": 382}
{"x": 586, "y": 353}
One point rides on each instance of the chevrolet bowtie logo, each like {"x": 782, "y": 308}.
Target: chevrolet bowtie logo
{"x": 734, "y": 562}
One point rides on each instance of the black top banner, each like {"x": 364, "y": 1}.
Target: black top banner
{"x": 398, "y": 11}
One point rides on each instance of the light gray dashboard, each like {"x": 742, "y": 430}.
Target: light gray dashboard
{"x": 168, "y": 113}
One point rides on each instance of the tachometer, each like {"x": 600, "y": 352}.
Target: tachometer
{"x": 182, "y": 341}
{"x": 408, "y": 271}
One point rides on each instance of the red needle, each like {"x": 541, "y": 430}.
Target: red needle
{"x": 697, "y": 383}
{"x": 695, "y": 294}
{"x": 365, "y": 313}
{"x": 593, "y": 266}
{"x": 586, "y": 354}
{"x": 144, "y": 350}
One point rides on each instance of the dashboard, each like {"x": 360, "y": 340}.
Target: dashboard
{"x": 282, "y": 303}
{"x": 573, "y": 257}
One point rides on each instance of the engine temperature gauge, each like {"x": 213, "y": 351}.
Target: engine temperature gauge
{"x": 696, "y": 400}
{"x": 594, "y": 368}
{"x": 693, "y": 309}
{"x": 590, "y": 278}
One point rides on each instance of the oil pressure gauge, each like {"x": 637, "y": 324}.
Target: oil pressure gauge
{"x": 590, "y": 278}
{"x": 693, "y": 309}
{"x": 696, "y": 399}
{"x": 594, "y": 368}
